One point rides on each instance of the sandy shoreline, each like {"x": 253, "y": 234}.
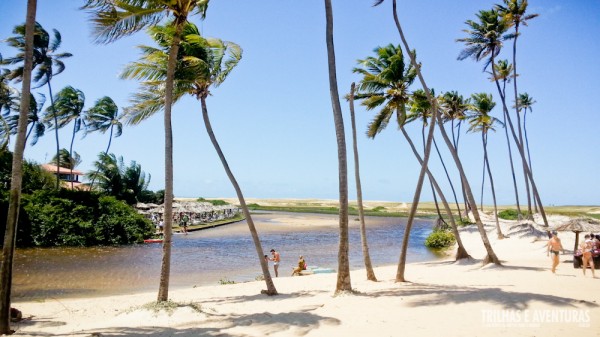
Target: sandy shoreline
{"x": 442, "y": 298}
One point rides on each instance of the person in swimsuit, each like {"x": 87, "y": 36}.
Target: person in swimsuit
{"x": 276, "y": 259}
{"x": 555, "y": 247}
{"x": 586, "y": 247}
{"x": 301, "y": 266}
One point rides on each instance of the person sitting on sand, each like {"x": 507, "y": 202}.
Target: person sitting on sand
{"x": 555, "y": 247}
{"x": 586, "y": 247}
{"x": 301, "y": 266}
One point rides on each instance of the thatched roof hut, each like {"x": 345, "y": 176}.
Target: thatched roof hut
{"x": 579, "y": 225}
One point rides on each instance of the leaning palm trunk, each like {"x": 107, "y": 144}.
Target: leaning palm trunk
{"x": 361, "y": 213}
{"x": 448, "y": 177}
{"x": 512, "y": 167}
{"x": 491, "y": 256}
{"x": 259, "y": 250}
{"x": 435, "y": 201}
{"x": 10, "y": 234}
{"x": 521, "y": 150}
{"x": 343, "y": 277}
{"x": 461, "y": 252}
{"x": 55, "y": 133}
{"x": 528, "y": 153}
{"x": 482, "y": 185}
{"x": 71, "y": 154}
{"x": 165, "y": 271}
{"x": 487, "y": 165}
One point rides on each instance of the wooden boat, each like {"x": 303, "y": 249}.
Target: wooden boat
{"x": 153, "y": 241}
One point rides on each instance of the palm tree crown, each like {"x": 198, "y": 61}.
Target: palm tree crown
{"x": 485, "y": 37}
{"x": 386, "y": 80}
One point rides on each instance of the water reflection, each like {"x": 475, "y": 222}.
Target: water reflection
{"x": 205, "y": 257}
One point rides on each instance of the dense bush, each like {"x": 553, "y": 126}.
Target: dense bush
{"x": 511, "y": 214}
{"x": 78, "y": 218}
{"x": 440, "y": 239}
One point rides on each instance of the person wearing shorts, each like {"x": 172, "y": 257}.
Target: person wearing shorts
{"x": 554, "y": 246}
{"x": 276, "y": 259}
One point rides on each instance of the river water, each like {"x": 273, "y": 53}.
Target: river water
{"x": 205, "y": 257}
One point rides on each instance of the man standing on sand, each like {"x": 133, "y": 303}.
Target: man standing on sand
{"x": 555, "y": 247}
{"x": 275, "y": 260}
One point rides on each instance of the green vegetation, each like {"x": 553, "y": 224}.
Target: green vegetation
{"x": 168, "y": 306}
{"x": 464, "y": 222}
{"x": 225, "y": 280}
{"x": 215, "y": 202}
{"x": 440, "y": 239}
{"x": 378, "y": 209}
{"x": 76, "y": 218}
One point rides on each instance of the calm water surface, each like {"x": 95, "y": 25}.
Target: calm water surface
{"x": 204, "y": 257}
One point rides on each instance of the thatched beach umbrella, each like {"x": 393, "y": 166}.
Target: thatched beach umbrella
{"x": 578, "y": 225}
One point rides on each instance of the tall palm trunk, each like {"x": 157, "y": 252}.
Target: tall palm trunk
{"x": 512, "y": 166}
{"x": 521, "y": 149}
{"x": 55, "y": 117}
{"x": 491, "y": 255}
{"x": 259, "y": 249}
{"x": 461, "y": 252}
{"x": 528, "y": 153}
{"x": 487, "y": 164}
{"x": 105, "y": 152}
{"x": 519, "y": 118}
{"x": 435, "y": 201}
{"x": 165, "y": 270}
{"x": 434, "y": 115}
{"x": 343, "y": 277}
{"x": 448, "y": 177}
{"x": 462, "y": 183}
{"x": 482, "y": 183}
{"x": 10, "y": 234}
{"x": 71, "y": 153}
{"x": 361, "y": 213}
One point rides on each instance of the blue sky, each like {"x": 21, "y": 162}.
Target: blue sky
{"x": 273, "y": 114}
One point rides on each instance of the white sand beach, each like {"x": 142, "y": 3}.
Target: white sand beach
{"x": 522, "y": 298}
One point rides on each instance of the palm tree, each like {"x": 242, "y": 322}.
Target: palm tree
{"x": 504, "y": 73}
{"x": 384, "y": 85}
{"x": 525, "y": 102}
{"x": 203, "y": 63}
{"x": 10, "y": 234}
{"x": 115, "y": 19}
{"x": 485, "y": 39}
{"x": 66, "y": 159}
{"x": 34, "y": 118}
{"x": 45, "y": 59}
{"x": 482, "y": 122}
{"x": 68, "y": 108}
{"x": 361, "y": 213}
{"x": 123, "y": 182}
{"x": 454, "y": 108}
{"x": 343, "y": 276}
{"x": 513, "y": 12}
{"x": 491, "y": 255}
{"x": 102, "y": 117}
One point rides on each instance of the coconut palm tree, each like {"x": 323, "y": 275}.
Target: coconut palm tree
{"x": 491, "y": 255}
{"x": 525, "y": 102}
{"x": 484, "y": 42}
{"x": 454, "y": 108}
{"x": 203, "y": 63}
{"x": 68, "y": 107}
{"x": 514, "y": 12}
{"x": 385, "y": 83}
{"x": 361, "y": 213}
{"x": 121, "y": 181}
{"x": 10, "y": 234}
{"x": 34, "y": 118}
{"x": 343, "y": 278}
{"x": 102, "y": 117}
{"x": 481, "y": 121}
{"x": 504, "y": 72}
{"x": 113, "y": 20}
{"x": 47, "y": 62}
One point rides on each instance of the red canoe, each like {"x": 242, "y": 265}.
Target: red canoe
{"x": 153, "y": 241}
